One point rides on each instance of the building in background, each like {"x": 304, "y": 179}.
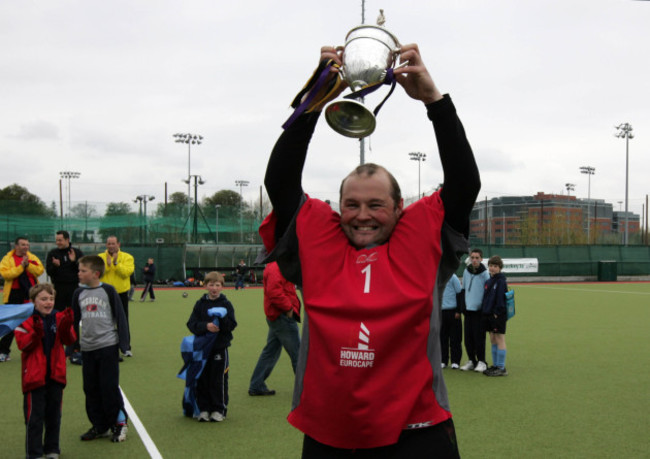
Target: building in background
{"x": 549, "y": 219}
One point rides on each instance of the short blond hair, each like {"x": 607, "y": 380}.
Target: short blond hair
{"x": 214, "y": 276}
{"x": 38, "y": 288}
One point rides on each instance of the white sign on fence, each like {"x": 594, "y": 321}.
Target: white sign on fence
{"x": 516, "y": 265}
{"x": 520, "y": 265}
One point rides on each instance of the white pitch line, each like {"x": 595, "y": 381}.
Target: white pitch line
{"x": 142, "y": 432}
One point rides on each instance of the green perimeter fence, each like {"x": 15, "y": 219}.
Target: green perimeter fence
{"x": 583, "y": 261}
{"x": 181, "y": 261}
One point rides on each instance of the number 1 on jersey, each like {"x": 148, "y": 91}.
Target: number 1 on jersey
{"x": 366, "y": 271}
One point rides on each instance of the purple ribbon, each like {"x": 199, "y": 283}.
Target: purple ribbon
{"x": 388, "y": 79}
{"x": 310, "y": 97}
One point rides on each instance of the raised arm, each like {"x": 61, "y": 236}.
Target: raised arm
{"x": 462, "y": 182}
{"x": 283, "y": 178}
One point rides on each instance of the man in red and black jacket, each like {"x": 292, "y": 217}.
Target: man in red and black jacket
{"x": 282, "y": 309}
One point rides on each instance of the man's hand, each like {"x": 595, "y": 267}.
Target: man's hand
{"x": 25, "y": 261}
{"x": 415, "y": 78}
{"x": 289, "y": 313}
{"x": 72, "y": 255}
{"x": 56, "y": 262}
{"x": 212, "y": 327}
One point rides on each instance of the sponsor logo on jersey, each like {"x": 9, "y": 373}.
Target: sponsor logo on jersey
{"x": 363, "y": 258}
{"x": 361, "y": 356}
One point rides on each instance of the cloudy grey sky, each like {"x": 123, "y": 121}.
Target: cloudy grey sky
{"x": 101, "y": 87}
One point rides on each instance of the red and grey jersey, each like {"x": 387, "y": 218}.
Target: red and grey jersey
{"x": 369, "y": 364}
{"x": 370, "y": 356}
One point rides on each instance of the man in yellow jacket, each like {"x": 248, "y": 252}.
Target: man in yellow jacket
{"x": 117, "y": 272}
{"x": 20, "y": 269}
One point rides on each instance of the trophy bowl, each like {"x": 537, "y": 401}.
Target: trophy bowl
{"x": 368, "y": 53}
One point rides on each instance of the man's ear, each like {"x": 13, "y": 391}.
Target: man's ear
{"x": 400, "y": 207}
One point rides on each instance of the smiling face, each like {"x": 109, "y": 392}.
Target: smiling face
{"x": 368, "y": 211}
{"x": 112, "y": 245}
{"x": 21, "y": 248}
{"x": 44, "y": 303}
{"x": 494, "y": 269}
{"x": 61, "y": 241}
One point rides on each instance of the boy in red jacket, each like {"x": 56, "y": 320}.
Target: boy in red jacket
{"x": 41, "y": 339}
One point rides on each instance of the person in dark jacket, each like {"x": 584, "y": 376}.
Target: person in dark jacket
{"x": 62, "y": 265}
{"x": 495, "y": 315}
{"x": 149, "y": 274}
{"x": 212, "y": 386}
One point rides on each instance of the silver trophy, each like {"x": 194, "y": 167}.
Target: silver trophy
{"x": 368, "y": 53}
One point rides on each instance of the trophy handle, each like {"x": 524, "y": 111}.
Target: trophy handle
{"x": 403, "y": 64}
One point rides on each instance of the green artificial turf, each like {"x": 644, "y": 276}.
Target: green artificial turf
{"x": 578, "y": 384}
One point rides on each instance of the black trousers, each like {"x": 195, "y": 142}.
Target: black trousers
{"x": 451, "y": 336}
{"x": 63, "y": 298}
{"x": 474, "y": 336}
{"x": 124, "y": 298}
{"x": 148, "y": 288}
{"x": 16, "y": 296}
{"x": 101, "y": 380}
{"x": 437, "y": 442}
{"x": 42, "y": 407}
{"x": 212, "y": 386}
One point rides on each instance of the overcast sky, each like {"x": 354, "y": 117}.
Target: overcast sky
{"x": 101, "y": 87}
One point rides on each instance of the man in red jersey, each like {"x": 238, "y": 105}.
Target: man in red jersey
{"x": 369, "y": 380}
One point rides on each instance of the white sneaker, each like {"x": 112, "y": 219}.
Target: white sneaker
{"x": 217, "y": 417}
{"x": 480, "y": 367}
{"x": 443, "y": 365}
{"x": 128, "y": 354}
{"x": 468, "y": 366}
{"x": 455, "y": 366}
{"x": 204, "y": 416}
{"x": 4, "y": 357}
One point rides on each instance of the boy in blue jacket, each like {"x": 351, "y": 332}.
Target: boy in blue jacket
{"x": 212, "y": 386}
{"x": 495, "y": 315}
{"x": 474, "y": 278}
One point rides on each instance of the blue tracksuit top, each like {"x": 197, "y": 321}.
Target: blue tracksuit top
{"x": 449, "y": 295}
{"x": 474, "y": 284}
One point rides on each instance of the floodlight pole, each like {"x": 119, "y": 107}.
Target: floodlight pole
{"x": 589, "y": 171}
{"x": 69, "y": 175}
{"x": 189, "y": 139}
{"x": 143, "y": 199}
{"x": 198, "y": 180}
{"x": 216, "y": 228}
{"x": 240, "y": 184}
{"x": 419, "y": 157}
{"x": 625, "y": 132}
